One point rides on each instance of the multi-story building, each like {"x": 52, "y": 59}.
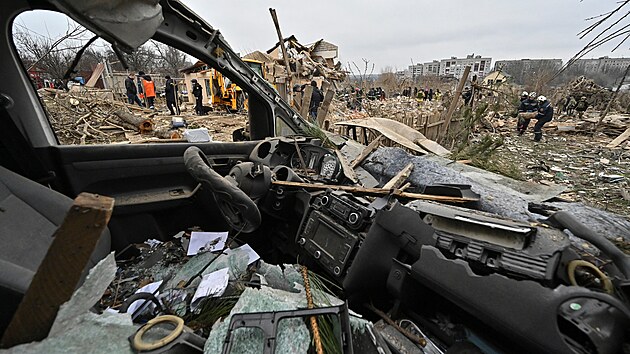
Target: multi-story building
{"x": 431, "y": 68}
{"x": 415, "y": 70}
{"x": 603, "y": 64}
{"x": 455, "y": 66}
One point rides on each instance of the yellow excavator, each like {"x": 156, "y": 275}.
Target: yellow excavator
{"x": 228, "y": 95}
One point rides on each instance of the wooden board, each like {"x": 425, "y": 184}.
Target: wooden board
{"x": 60, "y": 272}
{"x": 400, "y": 134}
{"x": 366, "y": 152}
{"x": 376, "y": 192}
{"x": 306, "y": 101}
{"x": 620, "y": 139}
{"x": 323, "y": 110}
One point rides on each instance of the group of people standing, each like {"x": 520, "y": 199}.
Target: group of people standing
{"x": 142, "y": 87}
{"x": 428, "y": 94}
{"x": 532, "y": 103}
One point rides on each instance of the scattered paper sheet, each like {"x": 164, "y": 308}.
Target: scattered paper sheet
{"x": 213, "y": 284}
{"x": 206, "y": 242}
{"x": 149, "y": 305}
{"x": 253, "y": 256}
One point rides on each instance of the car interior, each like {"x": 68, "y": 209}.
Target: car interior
{"x": 395, "y": 255}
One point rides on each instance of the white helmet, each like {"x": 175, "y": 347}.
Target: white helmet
{"x": 542, "y": 98}
{"x": 533, "y": 95}
{"x": 524, "y": 93}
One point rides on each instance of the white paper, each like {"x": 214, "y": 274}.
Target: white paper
{"x": 206, "y": 242}
{"x": 149, "y": 288}
{"x": 253, "y": 256}
{"x": 199, "y": 135}
{"x": 213, "y": 284}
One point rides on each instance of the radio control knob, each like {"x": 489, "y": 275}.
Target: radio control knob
{"x": 301, "y": 241}
{"x": 337, "y": 270}
{"x": 353, "y": 218}
{"x": 317, "y": 254}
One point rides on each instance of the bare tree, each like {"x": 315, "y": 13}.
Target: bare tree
{"x": 45, "y": 54}
{"x": 361, "y": 75}
{"x": 170, "y": 59}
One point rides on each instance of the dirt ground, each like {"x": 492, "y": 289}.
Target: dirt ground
{"x": 593, "y": 174}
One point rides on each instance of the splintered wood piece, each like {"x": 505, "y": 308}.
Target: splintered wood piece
{"x": 306, "y": 101}
{"x": 400, "y": 177}
{"x": 323, "y": 111}
{"x": 366, "y": 152}
{"x": 60, "y": 272}
{"x": 620, "y": 139}
{"x": 376, "y": 192}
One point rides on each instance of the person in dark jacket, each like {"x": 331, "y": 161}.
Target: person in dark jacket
{"x": 316, "y": 99}
{"x": 132, "y": 91}
{"x": 545, "y": 114}
{"x": 141, "y": 88}
{"x": 170, "y": 91}
{"x": 467, "y": 96}
{"x": 528, "y": 105}
{"x": 196, "y": 91}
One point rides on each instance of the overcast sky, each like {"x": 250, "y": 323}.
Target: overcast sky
{"x": 392, "y": 33}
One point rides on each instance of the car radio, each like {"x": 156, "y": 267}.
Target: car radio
{"x": 333, "y": 228}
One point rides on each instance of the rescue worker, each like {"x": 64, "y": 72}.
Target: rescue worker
{"x": 581, "y": 106}
{"x": 571, "y": 105}
{"x": 524, "y": 96}
{"x": 131, "y": 90}
{"x": 149, "y": 91}
{"x": 527, "y": 106}
{"x": 196, "y": 91}
{"x": 316, "y": 99}
{"x": 545, "y": 114}
{"x": 170, "y": 91}
{"x": 467, "y": 96}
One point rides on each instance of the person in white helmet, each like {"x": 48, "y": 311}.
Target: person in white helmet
{"x": 527, "y": 105}
{"x": 545, "y": 114}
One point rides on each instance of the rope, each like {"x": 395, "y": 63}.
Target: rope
{"x": 309, "y": 301}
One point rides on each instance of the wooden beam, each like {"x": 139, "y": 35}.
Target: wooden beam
{"x": 306, "y": 102}
{"x": 454, "y": 101}
{"x": 281, "y": 41}
{"x": 60, "y": 272}
{"x": 376, "y": 192}
{"x": 400, "y": 177}
{"x": 366, "y": 152}
{"x": 323, "y": 111}
{"x": 620, "y": 139}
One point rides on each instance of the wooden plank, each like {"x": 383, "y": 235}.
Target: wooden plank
{"x": 376, "y": 192}
{"x": 367, "y": 151}
{"x": 455, "y": 101}
{"x": 60, "y": 271}
{"x": 400, "y": 177}
{"x": 306, "y": 101}
{"x": 323, "y": 111}
{"x": 620, "y": 139}
{"x": 96, "y": 74}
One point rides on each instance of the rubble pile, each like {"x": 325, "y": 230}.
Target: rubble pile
{"x": 307, "y": 62}
{"x": 91, "y": 117}
{"x": 596, "y": 95}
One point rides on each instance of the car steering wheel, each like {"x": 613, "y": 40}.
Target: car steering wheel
{"x": 238, "y": 210}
